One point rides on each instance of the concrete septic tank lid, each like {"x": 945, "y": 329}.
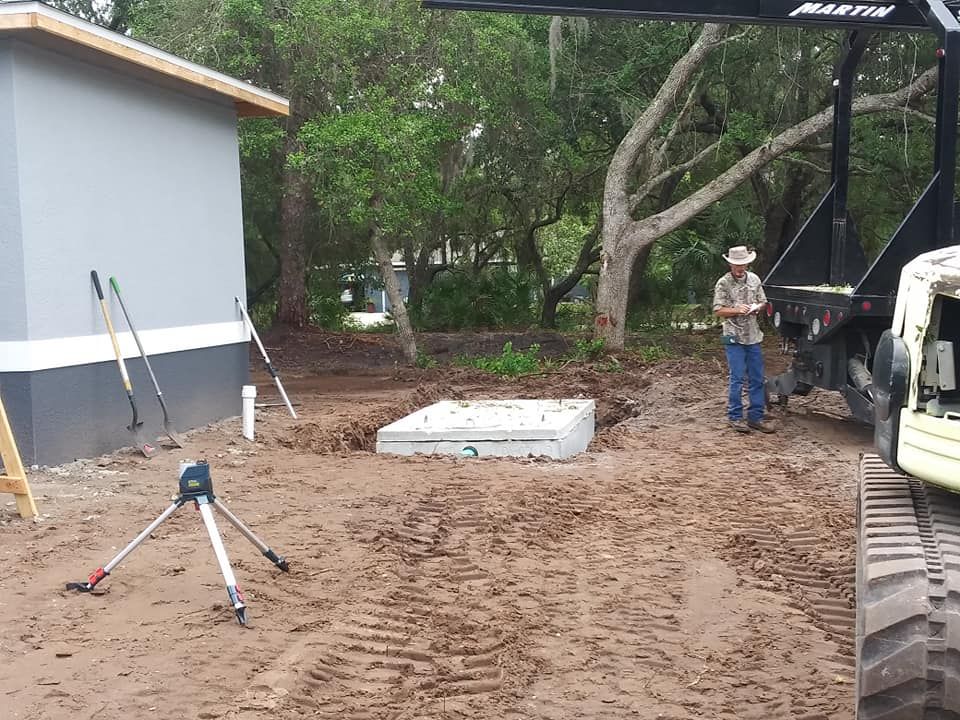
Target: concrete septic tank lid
{"x": 477, "y": 420}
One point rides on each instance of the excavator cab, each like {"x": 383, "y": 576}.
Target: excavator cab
{"x": 928, "y": 445}
{"x": 917, "y": 425}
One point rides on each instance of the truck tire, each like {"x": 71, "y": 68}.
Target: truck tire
{"x": 908, "y": 604}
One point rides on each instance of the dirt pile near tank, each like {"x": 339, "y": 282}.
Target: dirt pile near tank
{"x": 357, "y": 428}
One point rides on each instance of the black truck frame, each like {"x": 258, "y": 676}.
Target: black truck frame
{"x": 829, "y": 306}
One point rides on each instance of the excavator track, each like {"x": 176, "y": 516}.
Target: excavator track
{"x": 908, "y": 597}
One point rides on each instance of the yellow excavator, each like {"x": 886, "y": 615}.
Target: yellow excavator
{"x": 886, "y": 335}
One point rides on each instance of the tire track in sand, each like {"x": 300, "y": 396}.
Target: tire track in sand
{"x": 794, "y": 559}
{"x": 418, "y": 645}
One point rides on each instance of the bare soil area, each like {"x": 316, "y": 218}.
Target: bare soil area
{"x": 675, "y": 570}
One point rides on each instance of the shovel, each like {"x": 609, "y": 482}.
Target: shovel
{"x": 167, "y": 424}
{"x": 146, "y": 448}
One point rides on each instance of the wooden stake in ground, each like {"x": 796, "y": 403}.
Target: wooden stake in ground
{"x": 15, "y": 480}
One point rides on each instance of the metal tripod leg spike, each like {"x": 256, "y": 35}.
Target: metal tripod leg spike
{"x": 196, "y": 486}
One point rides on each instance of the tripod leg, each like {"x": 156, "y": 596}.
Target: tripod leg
{"x": 279, "y": 561}
{"x": 100, "y": 573}
{"x": 236, "y": 598}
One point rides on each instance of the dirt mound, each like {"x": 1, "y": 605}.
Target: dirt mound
{"x": 357, "y": 429}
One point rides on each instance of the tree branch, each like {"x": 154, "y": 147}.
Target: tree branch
{"x": 648, "y": 186}
{"x": 660, "y": 156}
{"x": 616, "y": 201}
{"x": 676, "y": 216}
{"x": 806, "y": 163}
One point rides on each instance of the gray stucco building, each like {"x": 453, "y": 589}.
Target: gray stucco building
{"x": 118, "y": 157}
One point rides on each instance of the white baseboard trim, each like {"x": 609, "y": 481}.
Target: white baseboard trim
{"x": 33, "y": 355}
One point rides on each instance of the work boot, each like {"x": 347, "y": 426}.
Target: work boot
{"x": 762, "y": 426}
{"x": 739, "y": 425}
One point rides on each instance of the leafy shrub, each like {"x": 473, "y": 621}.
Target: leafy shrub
{"x": 263, "y": 313}
{"x": 575, "y": 316}
{"x": 510, "y": 362}
{"x": 585, "y": 350}
{"x": 494, "y": 298}
{"x": 327, "y": 312}
{"x": 424, "y": 361}
{"x": 652, "y": 353}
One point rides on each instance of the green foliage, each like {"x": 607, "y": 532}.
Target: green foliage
{"x": 592, "y": 352}
{"x": 468, "y": 128}
{"x": 560, "y": 244}
{"x": 689, "y": 316}
{"x": 510, "y": 362}
{"x": 585, "y": 350}
{"x": 424, "y": 361}
{"x": 609, "y": 365}
{"x": 653, "y": 353}
{"x": 327, "y": 312}
{"x": 495, "y": 298}
{"x": 574, "y": 316}
{"x": 262, "y": 313}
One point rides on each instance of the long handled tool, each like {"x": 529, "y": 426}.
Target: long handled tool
{"x": 146, "y": 448}
{"x": 167, "y": 424}
{"x": 266, "y": 359}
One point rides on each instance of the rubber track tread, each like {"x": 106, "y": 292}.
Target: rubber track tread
{"x": 908, "y": 598}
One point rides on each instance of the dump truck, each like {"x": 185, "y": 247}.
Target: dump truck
{"x": 885, "y": 334}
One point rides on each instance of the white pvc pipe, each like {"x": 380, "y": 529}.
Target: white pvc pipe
{"x": 249, "y": 396}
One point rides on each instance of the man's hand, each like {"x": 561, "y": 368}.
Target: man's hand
{"x": 738, "y": 310}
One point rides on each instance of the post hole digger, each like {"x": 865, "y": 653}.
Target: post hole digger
{"x": 167, "y": 423}
{"x": 136, "y": 423}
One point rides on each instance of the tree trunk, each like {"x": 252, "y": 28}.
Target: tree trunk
{"x": 419, "y": 272}
{"x": 553, "y": 295}
{"x": 294, "y": 211}
{"x": 636, "y": 275}
{"x": 613, "y": 294}
{"x": 398, "y": 309}
{"x": 782, "y": 218}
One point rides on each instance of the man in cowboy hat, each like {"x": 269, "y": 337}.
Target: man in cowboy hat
{"x": 737, "y": 298}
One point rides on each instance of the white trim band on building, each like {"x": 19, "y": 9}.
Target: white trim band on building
{"x": 34, "y": 355}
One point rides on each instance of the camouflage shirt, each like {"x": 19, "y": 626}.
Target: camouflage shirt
{"x": 731, "y": 292}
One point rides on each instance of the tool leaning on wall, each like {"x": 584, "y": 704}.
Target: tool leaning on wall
{"x": 167, "y": 423}
{"x": 136, "y": 423}
{"x": 266, "y": 358}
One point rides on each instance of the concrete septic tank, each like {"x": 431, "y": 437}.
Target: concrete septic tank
{"x": 503, "y": 428}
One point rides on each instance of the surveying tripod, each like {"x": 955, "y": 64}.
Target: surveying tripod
{"x": 195, "y": 485}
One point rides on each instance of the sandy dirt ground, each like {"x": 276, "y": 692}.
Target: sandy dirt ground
{"x": 674, "y": 570}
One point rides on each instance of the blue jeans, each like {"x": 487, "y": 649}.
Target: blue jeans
{"x": 746, "y": 360}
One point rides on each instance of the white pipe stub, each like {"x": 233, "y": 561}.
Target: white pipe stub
{"x": 249, "y": 397}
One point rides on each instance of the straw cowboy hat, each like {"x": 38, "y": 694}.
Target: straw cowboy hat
{"x": 739, "y": 255}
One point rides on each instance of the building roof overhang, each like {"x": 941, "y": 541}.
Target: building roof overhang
{"x": 37, "y": 23}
